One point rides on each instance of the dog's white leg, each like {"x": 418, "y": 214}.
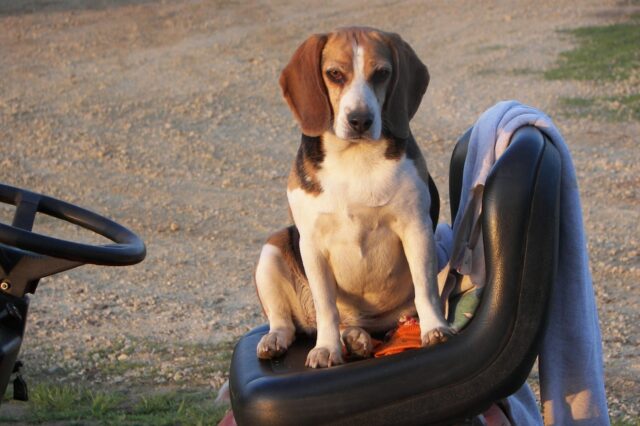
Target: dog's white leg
{"x": 420, "y": 251}
{"x": 328, "y": 349}
{"x": 273, "y": 282}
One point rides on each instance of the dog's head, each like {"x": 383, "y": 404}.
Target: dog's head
{"x": 355, "y": 82}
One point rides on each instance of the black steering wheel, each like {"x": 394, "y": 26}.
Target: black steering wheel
{"x": 50, "y": 254}
{"x": 26, "y": 256}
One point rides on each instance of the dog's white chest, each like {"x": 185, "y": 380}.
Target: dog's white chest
{"x": 359, "y": 176}
{"x": 353, "y": 224}
{"x": 355, "y": 230}
{"x": 366, "y": 258}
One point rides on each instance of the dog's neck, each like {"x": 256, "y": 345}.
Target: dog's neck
{"x": 388, "y": 147}
{"x": 356, "y": 150}
{"x": 327, "y": 162}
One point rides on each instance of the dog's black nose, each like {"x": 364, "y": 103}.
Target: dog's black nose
{"x": 360, "y": 121}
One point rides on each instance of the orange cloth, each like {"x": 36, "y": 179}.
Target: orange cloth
{"x": 405, "y": 337}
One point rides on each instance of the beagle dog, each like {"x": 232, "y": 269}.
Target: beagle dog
{"x": 361, "y": 253}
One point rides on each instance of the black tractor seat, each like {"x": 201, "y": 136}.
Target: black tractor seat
{"x": 487, "y": 361}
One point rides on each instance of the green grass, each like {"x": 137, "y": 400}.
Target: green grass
{"x": 76, "y": 405}
{"x": 610, "y": 52}
{"x": 490, "y": 48}
{"x": 70, "y": 405}
{"x": 513, "y": 71}
{"x": 144, "y": 401}
{"x": 618, "y": 422}
{"x": 51, "y": 402}
{"x": 523, "y": 71}
{"x": 612, "y": 108}
{"x": 195, "y": 362}
{"x": 58, "y": 402}
{"x": 603, "y": 53}
{"x": 172, "y": 408}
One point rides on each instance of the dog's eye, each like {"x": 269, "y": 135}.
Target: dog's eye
{"x": 380, "y": 75}
{"x": 335, "y": 75}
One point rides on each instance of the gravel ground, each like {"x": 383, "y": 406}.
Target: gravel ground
{"x": 167, "y": 117}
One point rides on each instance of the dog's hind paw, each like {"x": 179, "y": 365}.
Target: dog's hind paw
{"x": 272, "y": 345}
{"x": 436, "y": 336}
{"x": 357, "y": 342}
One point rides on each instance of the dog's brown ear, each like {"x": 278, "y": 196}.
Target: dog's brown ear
{"x": 304, "y": 89}
{"x": 409, "y": 82}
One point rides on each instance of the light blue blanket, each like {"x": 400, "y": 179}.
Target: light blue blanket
{"x": 570, "y": 360}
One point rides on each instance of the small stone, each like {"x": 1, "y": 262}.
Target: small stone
{"x": 55, "y": 369}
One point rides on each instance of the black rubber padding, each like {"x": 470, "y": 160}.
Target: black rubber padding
{"x": 128, "y": 250}
{"x": 456, "y": 168}
{"x": 11, "y": 334}
{"x": 487, "y": 361}
{"x": 434, "y": 207}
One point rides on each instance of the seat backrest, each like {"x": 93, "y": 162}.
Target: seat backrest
{"x": 520, "y": 236}
{"x": 456, "y": 170}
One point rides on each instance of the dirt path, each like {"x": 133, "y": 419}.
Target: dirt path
{"x": 167, "y": 117}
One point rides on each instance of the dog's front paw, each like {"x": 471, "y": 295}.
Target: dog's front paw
{"x": 272, "y": 345}
{"x": 436, "y": 336}
{"x": 357, "y": 342}
{"x": 320, "y": 357}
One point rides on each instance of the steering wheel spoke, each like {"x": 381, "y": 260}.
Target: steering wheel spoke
{"x": 21, "y": 270}
{"x": 26, "y": 209}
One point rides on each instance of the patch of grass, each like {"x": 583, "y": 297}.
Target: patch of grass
{"x": 608, "y": 52}
{"x": 118, "y": 367}
{"x": 613, "y": 108}
{"x": 57, "y": 402}
{"x": 630, "y": 104}
{"x": 150, "y": 361}
{"x": 490, "y": 48}
{"x": 487, "y": 71}
{"x": 619, "y": 422}
{"x": 513, "y": 71}
{"x": 202, "y": 359}
{"x": 103, "y": 403}
{"x": 523, "y": 71}
{"x": 75, "y": 405}
{"x": 171, "y": 408}
{"x": 150, "y": 368}
{"x": 577, "y": 107}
